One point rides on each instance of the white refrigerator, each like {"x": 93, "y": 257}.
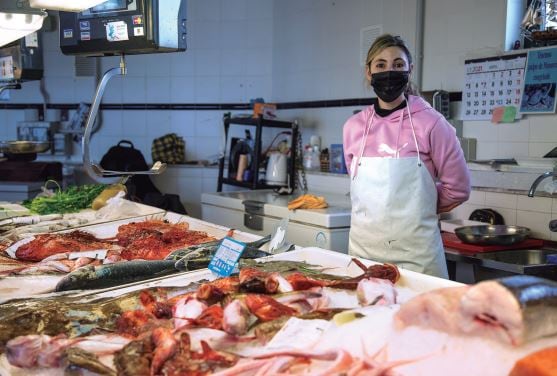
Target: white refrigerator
{"x": 260, "y": 212}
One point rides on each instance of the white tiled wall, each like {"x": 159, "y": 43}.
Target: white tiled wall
{"x": 229, "y": 60}
{"x": 287, "y": 50}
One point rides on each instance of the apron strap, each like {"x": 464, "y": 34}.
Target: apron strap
{"x": 363, "y": 144}
{"x": 413, "y": 132}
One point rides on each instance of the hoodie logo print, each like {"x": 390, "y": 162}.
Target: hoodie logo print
{"x": 386, "y": 149}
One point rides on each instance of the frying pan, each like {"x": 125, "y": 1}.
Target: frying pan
{"x": 24, "y": 147}
{"x": 492, "y": 234}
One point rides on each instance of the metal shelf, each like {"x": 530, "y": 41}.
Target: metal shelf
{"x": 259, "y": 123}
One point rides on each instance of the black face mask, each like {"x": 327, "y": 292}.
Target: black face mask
{"x": 389, "y": 85}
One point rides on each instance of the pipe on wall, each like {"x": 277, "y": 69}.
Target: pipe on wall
{"x": 419, "y": 52}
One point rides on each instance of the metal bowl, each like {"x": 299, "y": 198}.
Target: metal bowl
{"x": 24, "y": 147}
{"x": 492, "y": 234}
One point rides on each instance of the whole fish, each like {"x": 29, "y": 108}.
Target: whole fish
{"x": 102, "y": 276}
{"x": 199, "y": 256}
{"x": 514, "y": 309}
{"x": 212, "y": 247}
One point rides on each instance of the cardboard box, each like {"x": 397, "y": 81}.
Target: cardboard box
{"x": 268, "y": 110}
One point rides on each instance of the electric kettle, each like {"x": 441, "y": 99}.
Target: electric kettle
{"x": 276, "y": 169}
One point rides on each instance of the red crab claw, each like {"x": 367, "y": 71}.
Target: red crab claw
{"x": 266, "y": 308}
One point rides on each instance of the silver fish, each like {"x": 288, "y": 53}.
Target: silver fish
{"x": 513, "y": 309}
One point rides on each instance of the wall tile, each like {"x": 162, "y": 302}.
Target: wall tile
{"x": 206, "y": 10}
{"x": 84, "y": 89}
{"x": 134, "y": 123}
{"x": 182, "y": 90}
{"x": 183, "y": 123}
{"x": 463, "y": 211}
{"x": 258, "y": 61}
{"x": 207, "y": 62}
{"x": 235, "y": 60}
{"x": 156, "y": 65}
{"x": 113, "y": 92}
{"x": 209, "y": 34}
{"x": 258, "y": 87}
{"x": 232, "y": 89}
{"x": 209, "y": 124}
{"x": 500, "y": 200}
{"x": 259, "y": 8}
{"x": 536, "y": 222}
{"x": 58, "y": 65}
{"x": 29, "y": 93}
{"x": 542, "y": 128}
{"x": 112, "y": 124}
{"x": 207, "y": 147}
{"x": 483, "y": 130}
{"x": 182, "y": 63}
{"x": 477, "y": 197}
{"x": 234, "y": 10}
{"x": 134, "y": 89}
{"x": 509, "y": 215}
{"x": 535, "y": 204}
{"x": 234, "y": 34}
{"x": 512, "y": 149}
{"x": 137, "y": 65}
{"x": 191, "y": 148}
{"x": 207, "y": 89}
{"x": 513, "y": 132}
{"x": 158, "y": 89}
{"x": 486, "y": 149}
{"x": 259, "y": 33}
{"x": 158, "y": 123}
{"x": 539, "y": 149}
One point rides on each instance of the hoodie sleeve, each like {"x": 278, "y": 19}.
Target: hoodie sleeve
{"x": 347, "y": 146}
{"x": 453, "y": 186}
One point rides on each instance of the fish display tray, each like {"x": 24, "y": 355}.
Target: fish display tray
{"x": 110, "y": 229}
{"x": 450, "y": 240}
{"x": 42, "y": 285}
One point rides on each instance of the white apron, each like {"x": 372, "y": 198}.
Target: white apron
{"x": 394, "y": 212}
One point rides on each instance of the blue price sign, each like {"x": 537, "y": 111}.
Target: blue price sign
{"x": 226, "y": 257}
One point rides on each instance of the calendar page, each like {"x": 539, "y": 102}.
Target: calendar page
{"x": 490, "y": 83}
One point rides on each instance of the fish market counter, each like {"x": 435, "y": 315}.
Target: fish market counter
{"x": 307, "y": 311}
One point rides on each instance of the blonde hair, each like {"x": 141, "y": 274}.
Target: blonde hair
{"x": 385, "y": 41}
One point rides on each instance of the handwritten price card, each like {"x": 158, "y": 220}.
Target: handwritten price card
{"x": 490, "y": 83}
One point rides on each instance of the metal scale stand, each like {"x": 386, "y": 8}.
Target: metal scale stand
{"x": 93, "y": 169}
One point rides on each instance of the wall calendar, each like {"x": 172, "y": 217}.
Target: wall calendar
{"x": 491, "y": 83}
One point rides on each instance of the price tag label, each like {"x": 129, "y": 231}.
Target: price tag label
{"x": 226, "y": 257}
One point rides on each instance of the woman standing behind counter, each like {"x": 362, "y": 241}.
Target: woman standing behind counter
{"x": 406, "y": 166}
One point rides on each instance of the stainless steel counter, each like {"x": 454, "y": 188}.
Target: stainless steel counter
{"x": 476, "y": 267}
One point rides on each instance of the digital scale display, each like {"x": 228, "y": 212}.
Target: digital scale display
{"x": 111, "y": 6}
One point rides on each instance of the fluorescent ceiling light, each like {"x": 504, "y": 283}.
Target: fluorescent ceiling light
{"x": 66, "y": 5}
{"x": 17, "y": 20}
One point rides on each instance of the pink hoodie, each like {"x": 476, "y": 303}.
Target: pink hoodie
{"x": 440, "y": 150}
